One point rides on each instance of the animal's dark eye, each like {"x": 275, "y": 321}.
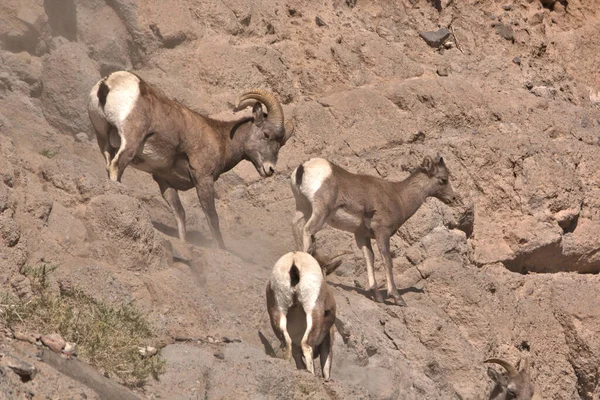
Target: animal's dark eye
{"x": 443, "y": 181}
{"x": 511, "y": 393}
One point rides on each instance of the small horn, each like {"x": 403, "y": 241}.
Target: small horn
{"x": 526, "y": 366}
{"x": 327, "y": 263}
{"x": 289, "y": 130}
{"x": 512, "y": 371}
{"x": 273, "y": 106}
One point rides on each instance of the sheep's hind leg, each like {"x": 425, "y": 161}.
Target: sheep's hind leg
{"x": 286, "y": 345}
{"x": 314, "y": 224}
{"x": 297, "y": 354}
{"x": 326, "y": 355}
{"x": 306, "y": 344}
{"x": 132, "y": 137}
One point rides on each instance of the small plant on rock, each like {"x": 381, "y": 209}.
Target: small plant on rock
{"x": 108, "y": 336}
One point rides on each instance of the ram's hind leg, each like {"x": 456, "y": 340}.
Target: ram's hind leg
{"x": 132, "y": 136}
{"x": 102, "y": 130}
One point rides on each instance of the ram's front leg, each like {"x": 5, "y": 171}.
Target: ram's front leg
{"x": 205, "y": 187}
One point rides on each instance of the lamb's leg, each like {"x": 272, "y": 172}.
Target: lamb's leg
{"x": 303, "y": 213}
{"x": 279, "y": 324}
{"x": 320, "y": 212}
{"x": 383, "y": 242}
{"x": 278, "y": 319}
{"x": 298, "y": 224}
{"x": 297, "y": 354}
{"x": 286, "y": 345}
{"x": 364, "y": 243}
{"x": 172, "y": 198}
{"x": 306, "y": 345}
{"x": 205, "y": 188}
{"x": 326, "y": 354}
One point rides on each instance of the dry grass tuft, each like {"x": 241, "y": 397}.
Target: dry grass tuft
{"x": 107, "y": 336}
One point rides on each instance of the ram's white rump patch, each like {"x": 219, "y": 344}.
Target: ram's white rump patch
{"x": 124, "y": 91}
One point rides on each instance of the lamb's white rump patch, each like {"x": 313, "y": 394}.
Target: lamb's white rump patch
{"x": 307, "y": 289}
{"x": 316, "y": 170}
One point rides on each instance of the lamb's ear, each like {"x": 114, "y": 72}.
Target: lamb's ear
{"x": 257, "y": 113}
{"x": 427, "y": 166}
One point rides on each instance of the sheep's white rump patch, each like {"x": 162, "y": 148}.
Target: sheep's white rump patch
{"x": 316, "y": 170}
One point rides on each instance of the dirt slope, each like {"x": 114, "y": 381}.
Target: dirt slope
{"x": 512, "y": 102}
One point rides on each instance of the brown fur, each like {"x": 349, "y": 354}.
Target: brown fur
{"x": 514, "y": 384}
{"x": 381, "y": 206}
{"x": 193, "y": 150}
{"x": 321, "y": 336}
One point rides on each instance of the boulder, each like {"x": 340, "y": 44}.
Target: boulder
{"x": 68, "y": 76}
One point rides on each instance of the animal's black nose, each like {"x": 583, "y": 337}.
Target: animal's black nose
{"x": 271, "y": 171}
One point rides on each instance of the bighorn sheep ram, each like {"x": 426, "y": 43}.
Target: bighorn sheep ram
{"x": 135, "y": 123}
{"x": 367, "y": 206}
{"x": 514, "y": 385}
{"x": 302, "y": 310}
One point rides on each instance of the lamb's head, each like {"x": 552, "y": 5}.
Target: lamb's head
{"x": 268, "y": 131}
{"x": 512, "y": 385}
{"x": 328, "y": 263}
{"x": 439, "y": 180}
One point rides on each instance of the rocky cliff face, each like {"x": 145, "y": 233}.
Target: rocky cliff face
{"x": 511, "y": 100}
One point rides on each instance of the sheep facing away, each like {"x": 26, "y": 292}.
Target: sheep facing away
{"x": 302, "y": 309}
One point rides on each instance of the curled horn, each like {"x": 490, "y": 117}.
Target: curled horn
{"x": 512, "y": 371}
{"x": 273, "y": 106}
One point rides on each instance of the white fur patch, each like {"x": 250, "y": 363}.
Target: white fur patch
{"x": 316, "y": 170}
{"x": 307, "y": 289}
{"x": 124, "y": 91}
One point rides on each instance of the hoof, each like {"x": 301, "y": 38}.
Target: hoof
{"x": 399, "y": 301}
{"x": 378, "y": 297}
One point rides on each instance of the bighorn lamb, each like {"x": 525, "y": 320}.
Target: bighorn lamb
{"x": 135, "y": 123}
{"x": 302, "y": 310}
{"x": 514, "y": 385}
{"x": 369, "y": 207}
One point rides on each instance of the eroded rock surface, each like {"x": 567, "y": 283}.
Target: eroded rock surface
{"x": 513, "y": 272}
